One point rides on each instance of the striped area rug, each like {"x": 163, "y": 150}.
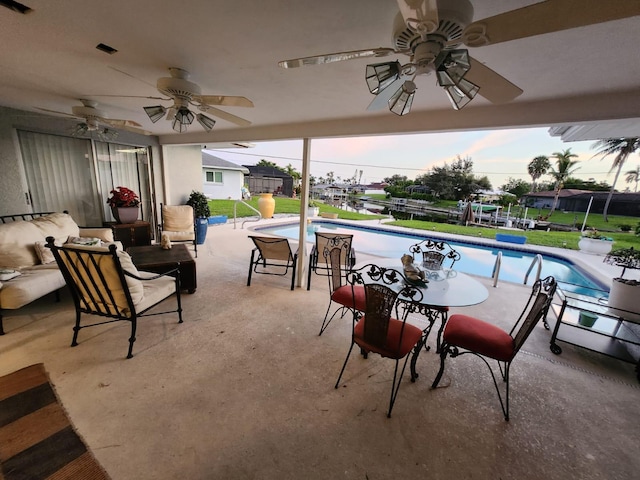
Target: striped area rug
{"x": 37, "y": 440}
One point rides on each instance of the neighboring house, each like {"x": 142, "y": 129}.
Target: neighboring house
{"x": 222, "y": 179}
{"x": 572, "y": 200}
{"x": 262, "y": 179}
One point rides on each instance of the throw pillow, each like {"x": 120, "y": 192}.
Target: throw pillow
{"x": 45, "y": 254}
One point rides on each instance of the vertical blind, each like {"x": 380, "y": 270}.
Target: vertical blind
{"x": 62, "y": 175}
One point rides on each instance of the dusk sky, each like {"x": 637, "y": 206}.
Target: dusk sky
{"x": 498, "y": 154}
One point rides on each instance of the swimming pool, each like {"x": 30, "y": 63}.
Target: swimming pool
{"x": 476, "y": 259}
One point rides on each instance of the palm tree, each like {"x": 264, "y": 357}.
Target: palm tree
{"x": 536, "y": 168}
{"x": 621, "y": 148}
{"x": 633, "y": 176}
{"x": 564, "y": 168}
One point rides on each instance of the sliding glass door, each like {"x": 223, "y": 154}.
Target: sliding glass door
{"x": 61, "y": 176}
{"x": 63, "y": 173}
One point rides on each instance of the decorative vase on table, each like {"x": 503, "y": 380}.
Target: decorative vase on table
{"x": 125, "y": 214}
{"x": 266, "y": 205}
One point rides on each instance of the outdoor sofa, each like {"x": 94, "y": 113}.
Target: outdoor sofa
{"x": 28, "y": 269}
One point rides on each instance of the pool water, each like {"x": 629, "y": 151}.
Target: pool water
{"x": 475, "y": 259}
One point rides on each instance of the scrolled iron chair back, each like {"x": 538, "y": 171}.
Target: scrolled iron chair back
{"x": 434, "y": 253}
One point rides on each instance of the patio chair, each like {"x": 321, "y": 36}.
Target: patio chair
{"x": 274, "y": 257}
{"x": 105, "y": 282}
{"x": 465, "y": 334}
{"x": 376, "y": 330}
{"x": 435, "y": 255}
{"x": 347, "y": 297}
{"x": 317, "y": 263}
{"x": 177, "y": 222}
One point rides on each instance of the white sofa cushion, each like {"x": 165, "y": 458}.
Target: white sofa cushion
{"x": 32, "y": 284}
{"x": 57, "y": 225}
{"x": 17, "y": 240}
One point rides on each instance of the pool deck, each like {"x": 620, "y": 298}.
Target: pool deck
{"x": 244, "y": 389}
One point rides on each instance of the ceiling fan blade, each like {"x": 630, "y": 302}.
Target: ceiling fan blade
{"x": 420, "y": 15}
{"x": 224, "y": 100}
{"x": 336, "y": 57}
{"x": 58, "y": 113}
{"x": 241, "y": 122}
{"x": 131, "y": 96}
{"x": 546, "y": 17}
{"x": 382, "y": 99}
{"x": 120, "y": 123}
{"x": 493, "y": 86}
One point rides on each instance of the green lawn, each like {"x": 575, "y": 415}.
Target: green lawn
{"x": 534, "y": 237}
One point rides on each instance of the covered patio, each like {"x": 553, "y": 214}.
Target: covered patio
{"x": 244, "y": 389}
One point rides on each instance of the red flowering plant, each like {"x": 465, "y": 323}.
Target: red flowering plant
{"x": 123, "y": 197}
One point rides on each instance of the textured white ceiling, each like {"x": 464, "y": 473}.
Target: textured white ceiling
{"x": 48, "y": 59}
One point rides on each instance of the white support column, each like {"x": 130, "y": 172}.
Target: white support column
{"x": 304, "y": 202}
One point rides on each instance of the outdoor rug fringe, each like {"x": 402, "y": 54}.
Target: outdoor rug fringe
{"x": 37, "y": 440}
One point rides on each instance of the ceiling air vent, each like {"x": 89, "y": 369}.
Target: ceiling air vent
{"x": 15, "y": 6}
{"x": 104, "y": 48}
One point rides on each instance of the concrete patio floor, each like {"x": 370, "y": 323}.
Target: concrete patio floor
{"x": 243, "y": 389}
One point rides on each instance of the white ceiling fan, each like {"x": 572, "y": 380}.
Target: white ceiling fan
{"x": 96, "y": 120}
{"x": 429, "y": 32}
{"x": 184, "y": 93}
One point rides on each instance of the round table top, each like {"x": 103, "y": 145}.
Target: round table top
{"x": 445, "y": 288}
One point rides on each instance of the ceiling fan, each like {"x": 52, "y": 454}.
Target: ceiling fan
{"x": 96, "y": 120}
{"x": 429, "y": 32}
{"x": 184, "y": 93}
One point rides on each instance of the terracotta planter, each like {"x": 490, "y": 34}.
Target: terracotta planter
{"x": 266, "y": 205}
{"x": 595, "y": 246}
{"x": 125, "y": 214}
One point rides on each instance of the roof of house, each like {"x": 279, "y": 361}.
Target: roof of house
{"x": 262, "y": 171}
{"x": 212, "y": 161}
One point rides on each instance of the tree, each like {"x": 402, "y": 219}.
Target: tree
{"x": 564, "y": 168}
{"x": 397, "y": 180}
{"x": 633, "y": 176}
{"x": 266, "y": 163}
{"x": 538, "y": 167}
{"x": 289, "y": 170}
{"x": 516, "y": 186}
{"x": 330, "y": 178}
{"x": 622, "y": 148}
{"x": 455, "y": 181}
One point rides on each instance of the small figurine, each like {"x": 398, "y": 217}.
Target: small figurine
{"x": 411, "y": 271}
{"x": 165, "y": 242}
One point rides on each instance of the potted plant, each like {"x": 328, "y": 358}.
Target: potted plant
{"x": 595, "y": 243}
{"x": 201, "y": 211}
{"x": 314, "y": 209}
{"x": 623, "y": 296}
{"x": 124, "y": 204}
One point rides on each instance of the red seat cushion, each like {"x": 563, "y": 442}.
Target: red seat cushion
{"x": 479, "y": 336}
{"x": 343, "y": 296}
{"x": 393, "y": 348}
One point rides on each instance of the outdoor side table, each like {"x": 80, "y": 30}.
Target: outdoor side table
{"x": 608, "y": 335}
{"x": 153, "y": 258}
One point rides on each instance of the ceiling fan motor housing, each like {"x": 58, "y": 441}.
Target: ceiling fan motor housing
{"x": 454, "y": 16}
{"x": 178, "y": 88}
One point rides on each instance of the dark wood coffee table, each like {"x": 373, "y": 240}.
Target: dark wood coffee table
{"x": 152, "y": 258}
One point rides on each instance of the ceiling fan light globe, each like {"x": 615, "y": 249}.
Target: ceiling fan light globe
{"x": 401, "y": 101}
{"x": 461, "y": 93}
{"x": 452, "y": 66}
{"x": 206, "y": 122}
{"x": 184, "y": 116}
{"x": 380, "y": 75}
{"x": 155, "y": 112}
{"x": 179, "y": 127}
